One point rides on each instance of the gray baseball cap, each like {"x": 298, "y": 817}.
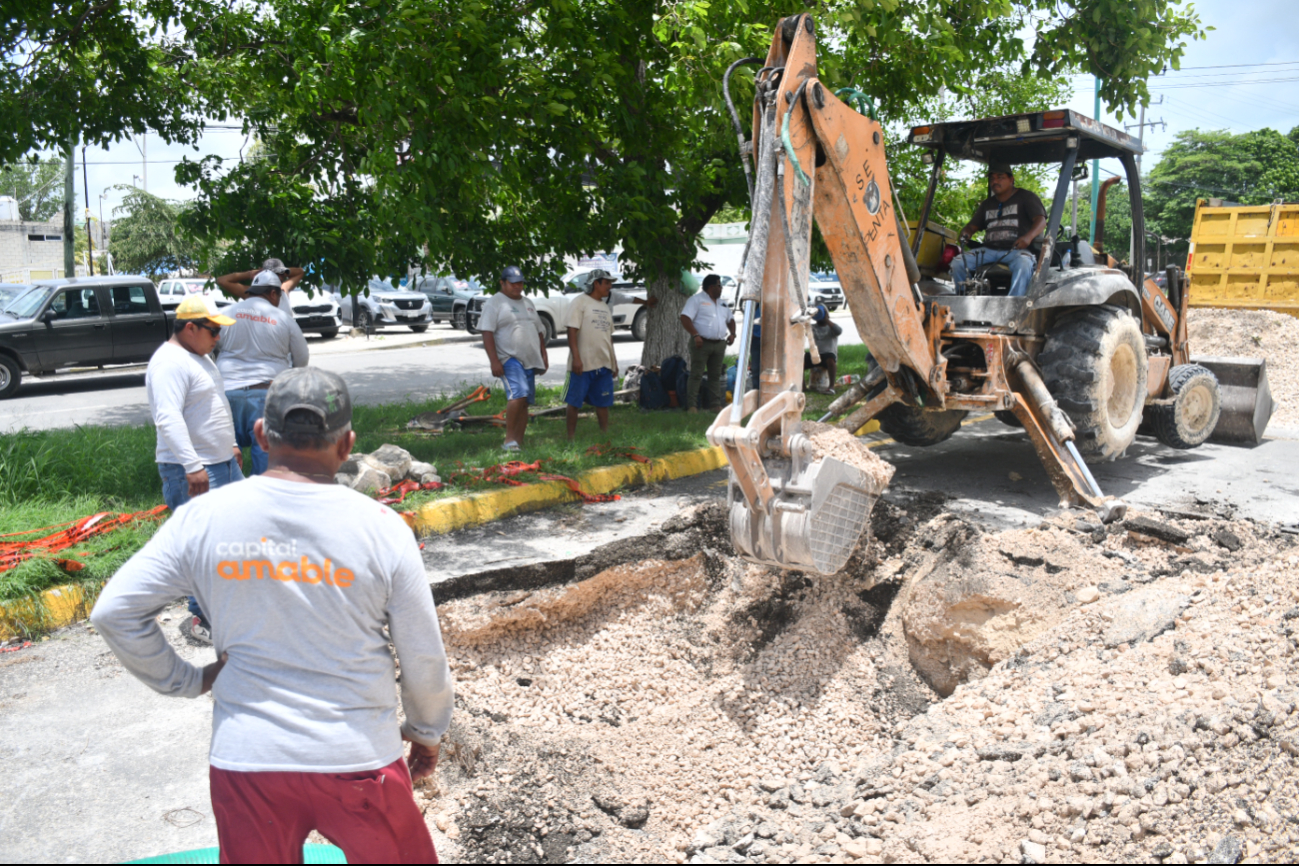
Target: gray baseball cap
{"x": 319, "y": 392}
{"x": 512, "y": 275}
{"x": 596, "y": 275}
{"x": 264, "y": 282}
{"x": 275, "y": 266}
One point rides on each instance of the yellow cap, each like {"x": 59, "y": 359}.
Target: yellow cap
{"x": 198, "y": 306}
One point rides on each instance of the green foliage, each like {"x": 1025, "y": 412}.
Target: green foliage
{"x": 99, "y": 71}
{"x": 147, "y": 238}
{"x": 1251, "y": 168}
{"x": 38, "y": 186}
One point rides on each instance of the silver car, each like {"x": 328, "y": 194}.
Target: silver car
{"x": 386, "y": 306}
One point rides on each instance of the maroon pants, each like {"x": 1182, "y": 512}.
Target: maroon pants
{"x": 372, "y": 816}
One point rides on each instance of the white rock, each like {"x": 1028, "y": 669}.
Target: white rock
{"x": 1033, "y": 852}
{"x": 1088, "y": 594}
{"x": 370, "y": 479}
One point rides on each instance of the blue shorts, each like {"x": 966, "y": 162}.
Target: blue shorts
{"x": 520, "y": 384}
{"x": 592, "y": 386}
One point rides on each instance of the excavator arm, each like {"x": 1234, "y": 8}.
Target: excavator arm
{"x": 818, "y": 159}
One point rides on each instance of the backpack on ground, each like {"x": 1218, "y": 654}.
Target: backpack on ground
{"x": 675, "y": 376}
{"x": 652, "y": 393}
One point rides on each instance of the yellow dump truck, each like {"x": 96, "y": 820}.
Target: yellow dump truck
{"x": 1245, "y": 257}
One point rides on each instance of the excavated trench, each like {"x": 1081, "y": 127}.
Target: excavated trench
{"x": 612, "y": 706}
{"x": 609, "y": 704}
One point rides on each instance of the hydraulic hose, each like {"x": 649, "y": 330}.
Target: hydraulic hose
{"x": 735, "y": 117}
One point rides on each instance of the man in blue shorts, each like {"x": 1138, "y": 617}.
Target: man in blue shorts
{"x": 591, "y": 359}
{"x": 515, "y": 340}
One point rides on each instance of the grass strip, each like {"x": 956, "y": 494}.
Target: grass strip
{"x": 49, "y": 477}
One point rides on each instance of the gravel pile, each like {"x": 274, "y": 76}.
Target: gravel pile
{"x": 706, "y": 710}
{"x": 1254, "y": 334}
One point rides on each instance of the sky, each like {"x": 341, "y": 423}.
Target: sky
{"x": 1248, "y": 34}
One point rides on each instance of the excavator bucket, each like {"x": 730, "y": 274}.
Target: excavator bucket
{"x": 820, "y": 511}
{"x": 1246, "y": 399}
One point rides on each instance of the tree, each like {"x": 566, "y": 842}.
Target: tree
{"x": 38, "y": 186}
{"x": 465, "y": 136}
{"x": 146, "y": 237}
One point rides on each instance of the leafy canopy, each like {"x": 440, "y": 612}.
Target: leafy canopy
{"x": 38, "y": 186}
{"x": 145, "y": 239}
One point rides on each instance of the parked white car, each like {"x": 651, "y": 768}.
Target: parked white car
{"x": 316, "y": 312}
{"x": 172, "y": 292}
{"x": 824, "y": 288}
{"x": 385, "y": 306}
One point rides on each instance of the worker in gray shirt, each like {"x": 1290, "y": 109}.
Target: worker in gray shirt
{"x": 263, "y": 342}
{"x": 236, "y": 284}
{"x": 307, "y": 582}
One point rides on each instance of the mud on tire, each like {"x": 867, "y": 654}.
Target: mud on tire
{"x": 1094, "y": 364}
{"x": 1189, "y": 418}
{"x": 912, "y": 426}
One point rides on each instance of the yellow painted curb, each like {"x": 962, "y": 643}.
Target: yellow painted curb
{"x": 59, "y": 607}
{"x": 447, "y": 515}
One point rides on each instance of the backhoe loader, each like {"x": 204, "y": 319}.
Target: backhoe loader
{"x": 1078, "y": 362}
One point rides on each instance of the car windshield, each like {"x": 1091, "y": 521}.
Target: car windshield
{"x": 25, "y": 305}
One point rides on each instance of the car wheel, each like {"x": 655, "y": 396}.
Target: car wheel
{"x": 459, "y": 319}
{"x": 364, "y": 320}
{"x": 10, "y": 376}
{"x": 419, "y": 329}
{"x": 471, "y": 325}
{"x": 640, "y": 325}
{"x": 329, "y": 333}
{"x": 549, "y": 326}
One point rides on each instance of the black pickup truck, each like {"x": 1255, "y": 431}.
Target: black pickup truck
{"x": 83, "y": 322}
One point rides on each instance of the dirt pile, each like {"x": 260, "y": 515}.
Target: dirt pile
{"x": 830, "y": 441}
{"x": 1254, "y": 334}
{"x": 703, "y": 709}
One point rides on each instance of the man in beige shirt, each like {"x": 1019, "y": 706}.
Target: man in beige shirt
{"x": 591, "y": 359}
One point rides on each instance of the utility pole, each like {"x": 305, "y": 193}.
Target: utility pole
{"x": 69, "y": 204}
{"x": 1140, "y": 127}
{"x": 1096, "y": 165}
{"x": 90, "y": 238}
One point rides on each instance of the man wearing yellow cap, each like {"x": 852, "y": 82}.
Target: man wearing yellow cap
{"x": 187, "y": 398}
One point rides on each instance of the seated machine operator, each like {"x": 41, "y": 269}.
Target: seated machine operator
{"x": 1011, "y": 219}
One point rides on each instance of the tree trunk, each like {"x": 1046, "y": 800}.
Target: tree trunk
{"x": 664, "y": 336}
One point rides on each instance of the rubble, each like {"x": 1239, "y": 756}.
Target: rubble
{"x": 385, "y": 466}
{"x": 705, "y": 710}
{"x": 1254, "y": 334}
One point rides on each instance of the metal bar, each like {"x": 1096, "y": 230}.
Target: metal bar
{"x": 1087, "y": 473}
{"x": 742, "y": 368}
{"x": 929, "y": 203}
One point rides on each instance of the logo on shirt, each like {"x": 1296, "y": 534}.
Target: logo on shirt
{"x": 258, "y": 562}
{"x": 249, "y": 317}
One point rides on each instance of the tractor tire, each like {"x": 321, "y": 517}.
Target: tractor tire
{"x": 1009, "y": 418}
{"x": 1094, "y": 365}
{"x": 1189, "y": 419}
{"x": 912, "y": 426}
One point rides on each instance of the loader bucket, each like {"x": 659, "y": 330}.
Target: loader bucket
{"x": 1246, "y": 399}
{"x": 820, "y": 513}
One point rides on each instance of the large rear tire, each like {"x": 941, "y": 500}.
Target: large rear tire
{"x": 1189, "y": 419}
{"x": 912, "y": 426}
{"x": 640, "y": 325}
{"x": 1094, "y": 365}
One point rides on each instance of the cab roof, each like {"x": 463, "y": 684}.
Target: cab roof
{"x": 1033, "y": 137}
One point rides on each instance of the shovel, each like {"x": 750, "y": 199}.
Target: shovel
{"x": 436, "y": 421}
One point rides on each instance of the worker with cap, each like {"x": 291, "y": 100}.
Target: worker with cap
{"x": 196, "y": 449}
{"x": 236, "y": 284}
{"x": 591, "y": 359}
{"x": 711, "y": 327}
{"x": 1011, "y": 219}
{"x": 263, "y": 342}
{"x": 825, "y": 334}
{"x": 307, "y": 581}
{"x": 515, "y": 340}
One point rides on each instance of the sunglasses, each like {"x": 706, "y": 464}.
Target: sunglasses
{"x": 214, "y": 330}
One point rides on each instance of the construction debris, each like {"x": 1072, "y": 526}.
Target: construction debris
{"x": 1126, "y": 699}
{"x": 385, "y": 467}
{"x": 1254, "y": 333}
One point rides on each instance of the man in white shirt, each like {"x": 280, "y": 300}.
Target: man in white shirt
{"x": 515, "y": 340}
{"x": 711, "y": 326}
{"x": 307, "y": 581}
{"x": 196, "y": 448}
{"x": 236, "y": 285}
{"x": 264, "y": 342}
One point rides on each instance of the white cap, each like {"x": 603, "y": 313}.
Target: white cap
{"x": 264, "y": 281}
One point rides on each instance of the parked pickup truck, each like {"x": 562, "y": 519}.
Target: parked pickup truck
{"x": 83, "y": 322}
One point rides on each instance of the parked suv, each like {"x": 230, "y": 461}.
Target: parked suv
{"x": 385, "y": 306}
{"x": 172, "y": 292}
{"x": 316, "y": 312}
{"x": 824, "y": 288}
{"x": 449, "y": 298}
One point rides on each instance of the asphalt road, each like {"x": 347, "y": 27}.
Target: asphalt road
{"x": 375, "y": 374}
